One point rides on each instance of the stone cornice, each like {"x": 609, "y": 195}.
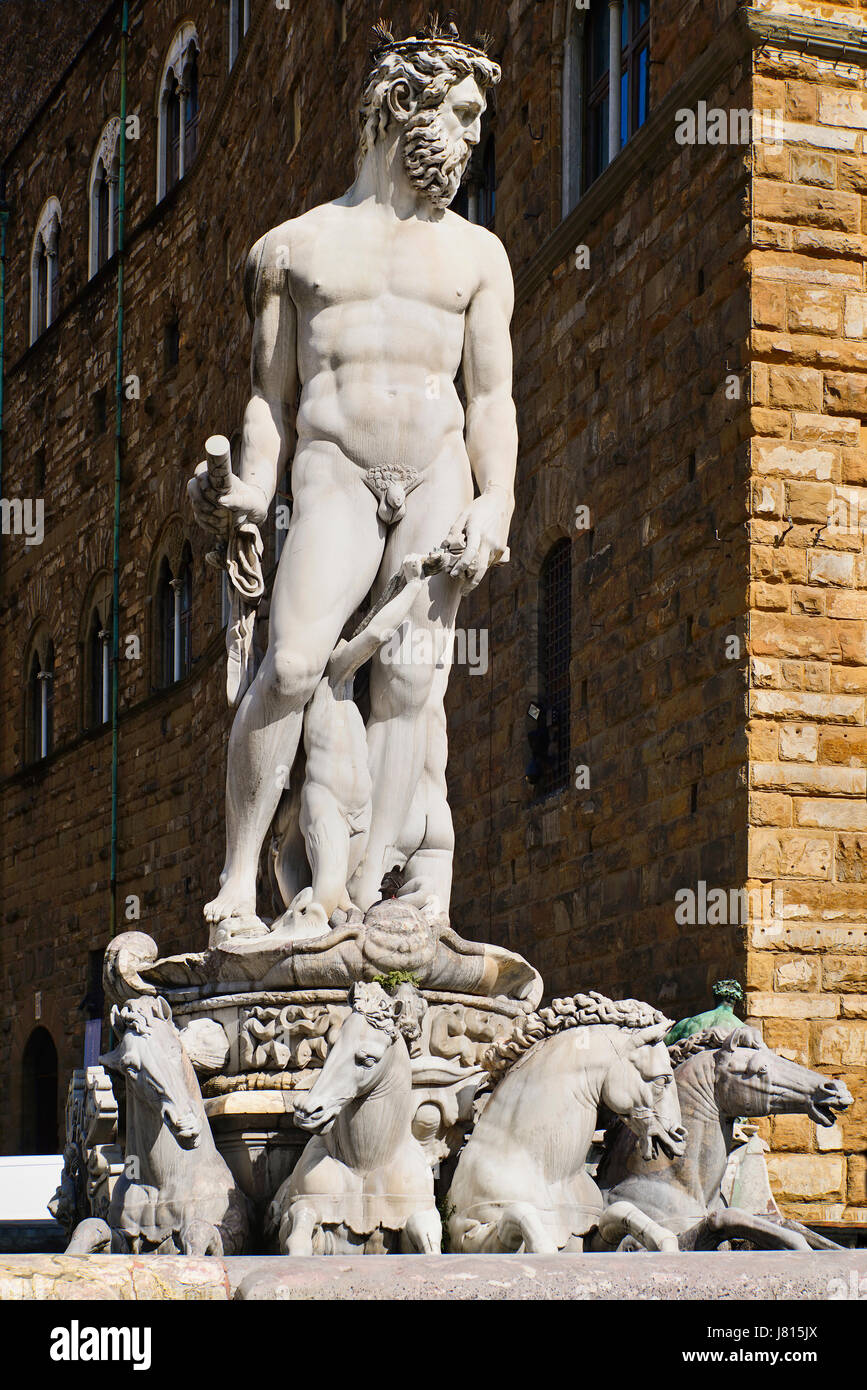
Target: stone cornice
{"x": 820, "y": 36}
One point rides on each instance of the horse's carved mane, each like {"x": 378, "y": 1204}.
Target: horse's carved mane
{"x": 580, "y": 1010}
{"x": 372, "y": 1002}
{"x": 709, "y": 1039}
{"x": 139, "y": 1015}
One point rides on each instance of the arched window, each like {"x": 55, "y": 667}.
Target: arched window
{"x": 172, "y": 134}
{"x": 605, "y": 88}
{"x": 39, "y": 700}
{"x": 190, "y": 95}
{"x": 99, "y": 661}
{"x": 239, "y": 23}
{"x": 555, "y": 655}
{"x": 178, "y": 110}
{"x": 44, "y": 272}
{"x": 97, "y": 656}
{"x": 39, "y": 1133}
{"x": 174, "y": 601}
{"x": 103, "y": 193}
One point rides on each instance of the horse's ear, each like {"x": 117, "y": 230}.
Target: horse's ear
{"x": 114, "y": 1018}
{"x": 162, "y": 1008}
{"x": 643, "y": 1037}
{"x": 397, "y": 1007}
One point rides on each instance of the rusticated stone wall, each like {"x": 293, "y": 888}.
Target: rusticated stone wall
{"x": 807, "y": 963}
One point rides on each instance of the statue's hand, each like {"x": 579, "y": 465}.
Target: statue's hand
{"x": 220, "y": 511}
{"x": 480, "y": 536}
{"x": 412, "y": 567}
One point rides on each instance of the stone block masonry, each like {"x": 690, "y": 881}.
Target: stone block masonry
{"x": 808, "y": 569}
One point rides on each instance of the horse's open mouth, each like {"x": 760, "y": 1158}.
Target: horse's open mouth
{"x": 826, "y": 1101}
{"x": 187, "y": 1131}
{"x": 668, "y": 1146}
{"x": 824, "y": 1112}
{"x": 318, "y": 1122}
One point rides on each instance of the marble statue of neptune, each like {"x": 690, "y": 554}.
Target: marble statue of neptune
{"x": 364, "y": 311}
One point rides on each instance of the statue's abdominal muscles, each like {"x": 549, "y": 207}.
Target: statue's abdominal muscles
{"x": 378, "y": 376}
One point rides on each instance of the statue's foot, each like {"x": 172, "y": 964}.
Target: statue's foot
{"x": 303, "y": 920}
{"x": 235, "y": 899}
{"x": 232, "y": 915}
{"x": 233, "y": 929}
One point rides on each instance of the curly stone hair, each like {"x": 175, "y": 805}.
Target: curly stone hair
{"x": 415, "y": 76}
{"x": 581, "y": 1010}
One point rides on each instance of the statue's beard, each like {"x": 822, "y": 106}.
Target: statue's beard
{"x": 434, "y": 164}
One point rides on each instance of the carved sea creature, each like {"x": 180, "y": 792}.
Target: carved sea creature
{"x": 720, "y": 1075}
{"x": 176, "y": 1193}
{"x": 521, "y": 1182}
{"x": 363, "y": 1183}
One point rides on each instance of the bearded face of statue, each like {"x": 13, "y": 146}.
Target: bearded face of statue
{"x": 438, "y": 142}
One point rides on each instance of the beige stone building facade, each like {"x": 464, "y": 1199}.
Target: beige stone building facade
{"x": 686, "y": 607}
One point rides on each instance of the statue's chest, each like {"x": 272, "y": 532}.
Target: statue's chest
{"x": 382, "y": 273}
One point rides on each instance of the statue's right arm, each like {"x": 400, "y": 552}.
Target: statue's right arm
{"x": 265, "y": 441}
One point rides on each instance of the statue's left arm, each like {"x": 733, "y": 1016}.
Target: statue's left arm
{"x": 491, "y": 429}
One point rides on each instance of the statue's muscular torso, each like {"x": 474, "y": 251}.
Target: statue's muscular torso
{"x": 380, "y": 306}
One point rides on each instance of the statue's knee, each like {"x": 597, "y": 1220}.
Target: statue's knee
{"x": 290, "y": 676}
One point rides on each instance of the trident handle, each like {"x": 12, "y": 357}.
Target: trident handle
{"x": 219, "y": 455}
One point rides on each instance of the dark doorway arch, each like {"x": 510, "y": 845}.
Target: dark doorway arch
{"x": 39, "y": 1095}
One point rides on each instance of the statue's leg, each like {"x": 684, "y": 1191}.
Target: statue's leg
{"x": 333, "y": 548}
{"x": 200, "y": 1238}
{"x": 422, "y": 1234}
{"x": 732, "y": 1224}
{"x": 521, "y": 1224}
{"x": 406, "y": 735}
{"x": 326, "y": 835}
{"x": 90, "y": 1237}
{"x": 625, "y": 1219}
{"x": 296, "y": 1230}
{"x": 429, "y": 866}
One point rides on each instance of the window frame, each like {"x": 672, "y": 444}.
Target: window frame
{"x": 39, "y": 699}
{"x": 45, "y": 269}
{"x": 177, "y": 131}
{"x": 587, "y": 92}
{"x": 103, "y": 198}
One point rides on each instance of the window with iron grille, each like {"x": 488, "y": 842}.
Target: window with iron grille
{"x": 555, "y": 654}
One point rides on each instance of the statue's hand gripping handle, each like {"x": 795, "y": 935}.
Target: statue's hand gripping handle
{"x": 218, "y": 452}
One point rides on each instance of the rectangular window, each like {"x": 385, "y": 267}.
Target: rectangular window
{"x": 633, "y": 80}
